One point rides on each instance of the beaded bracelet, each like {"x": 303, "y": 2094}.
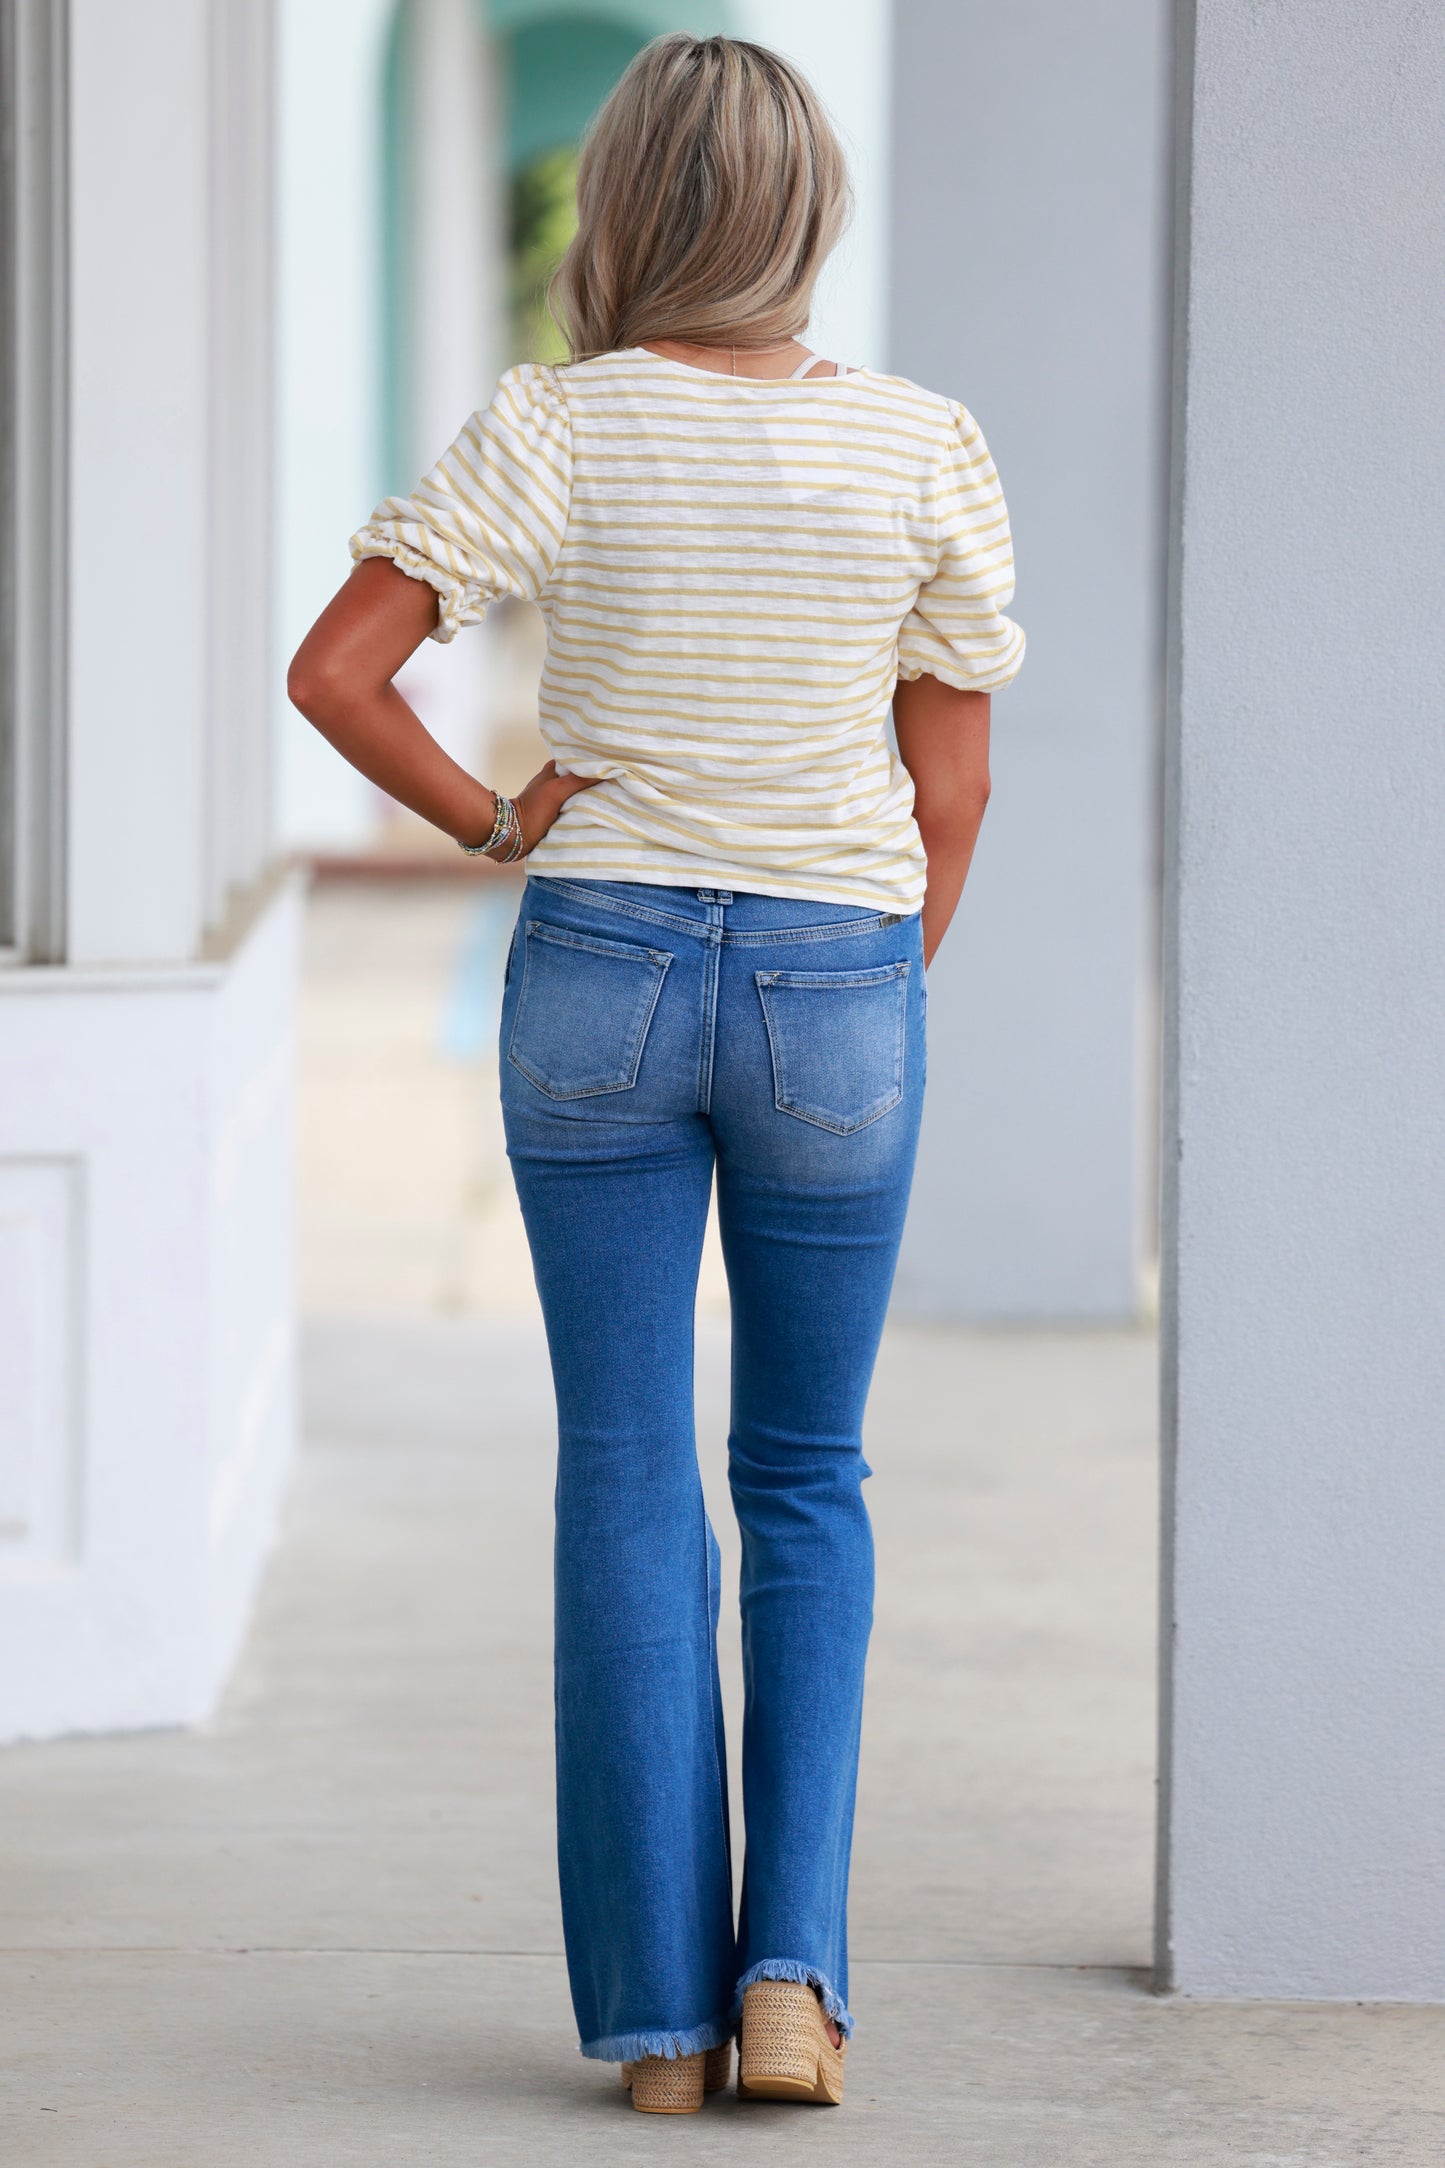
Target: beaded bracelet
{"x": 501, "y": 810}
{"x": 516, "y": 845}
{"x": 506, "y": 829}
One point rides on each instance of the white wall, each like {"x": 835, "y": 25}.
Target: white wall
{"x": 1303, "y": 1807}
{"x": 846, "y": 53}
{"x": 145, "y": 1328}
{"x": 330, "y": 239}
{"x": 1028, "y": 264}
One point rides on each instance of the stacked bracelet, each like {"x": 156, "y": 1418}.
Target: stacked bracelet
{"x": 506, "y": 843}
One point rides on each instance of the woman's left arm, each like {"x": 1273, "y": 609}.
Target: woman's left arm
{"x": 942, "y": 737}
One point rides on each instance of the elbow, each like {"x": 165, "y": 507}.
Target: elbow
{"x": 956, "y": 811}
{"x": 301, "y": 684}
{"x": 969, "y": 818}
{"x": 312, "y": 686}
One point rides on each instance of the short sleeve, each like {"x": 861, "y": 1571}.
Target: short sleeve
{"x": 956, "y": 629}
{"x": 489, "y": 518}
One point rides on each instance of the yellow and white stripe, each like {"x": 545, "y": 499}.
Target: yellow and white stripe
{"x": 733, "y": 575}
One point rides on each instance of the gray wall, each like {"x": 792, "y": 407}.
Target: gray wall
{"x": 1029, "y": 275}
{"x": 1304, "y": 1739}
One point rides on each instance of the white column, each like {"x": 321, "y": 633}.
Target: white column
{"x": 171, "y": 529}
{"x": 1303, "y": 1798}
{"x": 140, "y": 415}
{"x": 240, "y": 790}
{"x": 454, "y": 253}
{"x": 1029, "y": 271}
{"x": 454, "y": 299}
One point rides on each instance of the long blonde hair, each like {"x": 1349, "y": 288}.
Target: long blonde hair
{"x": 710, "y": 189}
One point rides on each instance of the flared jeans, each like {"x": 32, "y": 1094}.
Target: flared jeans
{"x": 652, "y": 1039}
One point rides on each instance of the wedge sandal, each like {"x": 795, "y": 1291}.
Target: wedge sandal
{"x": 675, "y": 2084}
{"x": 784, "y": 2049}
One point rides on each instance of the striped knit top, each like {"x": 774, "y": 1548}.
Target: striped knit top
{"x": 733, "y": 574}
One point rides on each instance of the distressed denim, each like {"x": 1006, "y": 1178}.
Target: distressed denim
{"x": 652, "y": 1038}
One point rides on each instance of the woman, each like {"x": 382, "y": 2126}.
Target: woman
{"x": 742, "y": 553}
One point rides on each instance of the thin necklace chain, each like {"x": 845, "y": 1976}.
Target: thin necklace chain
{"x": 765, "y": 352}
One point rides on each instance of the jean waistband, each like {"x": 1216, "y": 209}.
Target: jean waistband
{"x": 738, "y": 913}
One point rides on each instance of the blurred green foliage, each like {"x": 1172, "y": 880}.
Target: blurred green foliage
{"x": 543, "y": 219}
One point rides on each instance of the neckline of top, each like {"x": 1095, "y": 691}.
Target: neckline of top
{"x": 766, "y": 383}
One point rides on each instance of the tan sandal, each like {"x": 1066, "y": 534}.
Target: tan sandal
{"x": 675, "y": 2084}
{"x": 784, "y": 2052}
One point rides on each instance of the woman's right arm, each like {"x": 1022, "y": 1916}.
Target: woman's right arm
{"x": 341, "y": 680}
{"x": 943, "y": 743}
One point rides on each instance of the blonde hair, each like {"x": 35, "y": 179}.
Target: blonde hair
{"x": 710, "y": 190}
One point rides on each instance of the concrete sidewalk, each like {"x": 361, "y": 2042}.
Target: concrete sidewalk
{"x": 325, "y": 1930}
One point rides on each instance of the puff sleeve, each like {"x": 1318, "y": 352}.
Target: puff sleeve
{"x": 489, "y": 518}
{"x": 956, "y": 629}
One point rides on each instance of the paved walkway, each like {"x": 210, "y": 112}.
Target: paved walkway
{"x": 324, "y": 1930}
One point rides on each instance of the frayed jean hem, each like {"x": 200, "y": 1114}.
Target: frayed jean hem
{"x": 631, "y": 2047}
{"x": 787, "y": 1968}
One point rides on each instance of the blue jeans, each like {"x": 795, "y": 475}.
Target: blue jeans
{"x": 651, "y": 1036}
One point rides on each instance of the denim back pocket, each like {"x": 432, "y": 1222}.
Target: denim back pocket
{"x": 583, "y": 1011}
{"x": 837, "y": 1043}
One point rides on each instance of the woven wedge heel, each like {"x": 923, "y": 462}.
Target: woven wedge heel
{"x": 784, "y": 2049}
{"x": 666, "y": 2084}
{"x": 675, "y": 2084}
{"x": 719, "y": 2068}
